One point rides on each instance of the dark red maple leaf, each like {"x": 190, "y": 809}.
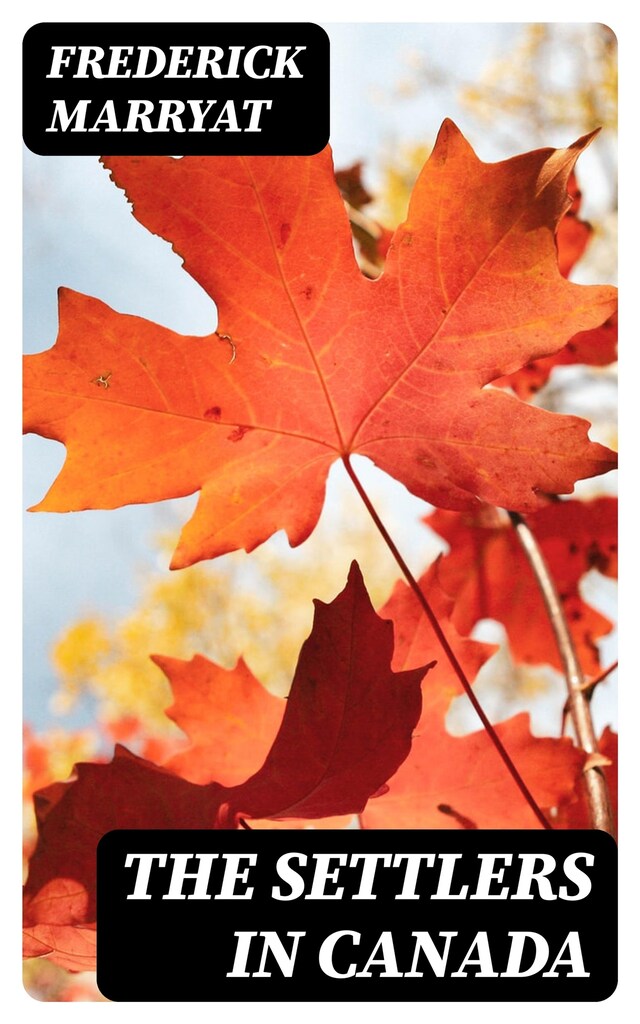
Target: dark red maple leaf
{"x": 347, "y": 726}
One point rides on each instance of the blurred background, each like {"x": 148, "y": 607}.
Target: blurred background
{"x": 98, "y": 594}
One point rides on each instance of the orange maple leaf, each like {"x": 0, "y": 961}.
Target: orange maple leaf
{"x": 313, "y": 362}
{"x": 460, "y": 781}
{"x": 230, "y": 719}
{"x": 573, "y": 235}
{"x": 597, "y": 347}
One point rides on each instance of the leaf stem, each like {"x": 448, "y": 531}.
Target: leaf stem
{"x": 595, "y": 782}
{"x": 448, "y": 650}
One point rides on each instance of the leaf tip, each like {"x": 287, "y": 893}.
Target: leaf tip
{"x": 449, "y": 127}
{"x": 355, "y": 574}
{"x": 179, "y": 560}
{"x": 585, "y": 140}
{"x": 449, "y": 142}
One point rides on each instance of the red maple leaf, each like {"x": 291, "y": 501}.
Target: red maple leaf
{"x": 313, "y": 362}
{"x": 489, "y": 575}
{"x": 347, "y": 726}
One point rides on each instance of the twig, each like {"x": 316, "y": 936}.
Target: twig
{"x": 587, "y": 688}
{"x": 365, "y": 223}
{"x": 444, "y": 643}
{"x": 596, "y": 784}
{"x": 360, "y": 222}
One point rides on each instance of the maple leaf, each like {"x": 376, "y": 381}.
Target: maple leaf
{"x": 460, "y": 781}
{"x": 415, "y": 637}
{"x": 597, "y": 347}
{"x": 489, "y": 575}
{"x": 339, "y": 745}
{"x": 313, "y": 362}
{"x": 60, "y": 893}
{"x": 230, "y": 719}
{"x": 573, "y": 234}
{"x": 347, "y": 727}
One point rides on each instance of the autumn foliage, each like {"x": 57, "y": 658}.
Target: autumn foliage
{"x": 425, "y": 370}
{"x": 487, "y": 571}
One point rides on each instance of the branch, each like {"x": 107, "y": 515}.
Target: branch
{"x": 444, "y": 643}
{"x": 596, "y": 784}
